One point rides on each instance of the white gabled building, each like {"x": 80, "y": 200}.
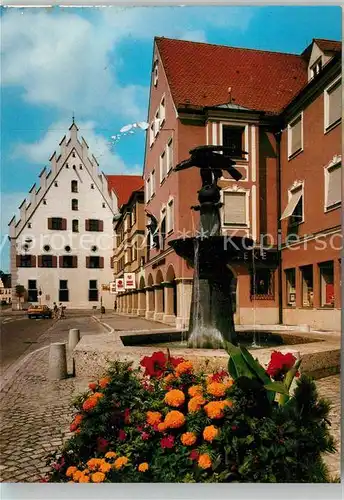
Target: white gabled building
{"x": 62, "y": 245}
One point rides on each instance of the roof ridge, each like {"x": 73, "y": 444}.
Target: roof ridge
{"x": 230, "y": 46}
{"x": 328, "y": 40}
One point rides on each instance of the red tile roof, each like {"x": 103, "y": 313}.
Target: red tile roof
{"x": 202, "y": 73}
{"x": 124, "y": 185}
{"x": 328, "y": 45}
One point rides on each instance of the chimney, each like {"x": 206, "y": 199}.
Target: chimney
{"x": 229, "y": 94}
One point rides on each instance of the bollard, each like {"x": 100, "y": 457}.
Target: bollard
{"x": 57, "y": 361}
{"x": 74, "y": 337}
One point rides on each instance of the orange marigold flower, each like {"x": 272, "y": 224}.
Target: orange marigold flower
{"x": 195, "y": 403}
{"x": 214, "y": 409}
{"x": 98, "y": 477}
{"x": 93, "y": 386}
{"x": 168, "y": 379}
{"x": 162, "y": 427}
{"x": 143, "y": 467}
{"x": 204, "y": 461}
{"x": 103, "y": 382}
{"x": 184, "y": 367}
{"x": 229, "y": 383}
{"x": 78, "y": 419}
{"x": 174, "y": 419}
{"x": 188, "y": 438}
{"x": 76, "y": 475}
{"x": 91, "y": 402}
{"x": 175, "y": 398}
{"x": 94, "y": 463}
{"x": 84, "y": 479}
{"x": 105, "y": 467}
{"x": 120, "y": 462}
{"x": 195, "y": 390}
{"x": 110, "y": 454}
{"x": 216, "y": 389}
{"x": 70, "y": 471}
{"x": 210, "y": 432}
{"x": 153, "y": 417}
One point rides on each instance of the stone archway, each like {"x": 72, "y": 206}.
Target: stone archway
{"x": 170, "y": 293}
{"x": 150, "y": 298}
{"x": 159, "y": 299}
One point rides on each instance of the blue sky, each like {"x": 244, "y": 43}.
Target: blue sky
{"x": 96, "y": 64}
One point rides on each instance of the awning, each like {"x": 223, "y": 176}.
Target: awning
{"x": 294, "y": 200}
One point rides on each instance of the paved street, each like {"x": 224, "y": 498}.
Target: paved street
{"x": 35, "y": 412}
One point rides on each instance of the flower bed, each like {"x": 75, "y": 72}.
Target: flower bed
{"x": 167, "y": 423}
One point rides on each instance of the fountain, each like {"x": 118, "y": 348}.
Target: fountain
{"x": 211, "y": 315}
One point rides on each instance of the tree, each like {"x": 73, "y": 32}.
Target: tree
{"x": 20, "y": 291}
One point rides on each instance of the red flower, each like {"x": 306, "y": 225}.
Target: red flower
{"x": 167, "y": 442}
{"x": 127, "y": 416}
{"x": 145, "y": 436}
{"x": 280, "y": 363}
{"x": 219, "y": 376}
{"x": 102, "y": 444}
{"x": 176, "y": 361}
{"x": 59, "y": 464}
{"x": 155, "y": 364}
{"x": 73, "y": 427}
{"x": 122, "y": 435}
{"x": 43, "y": 480}
{"x": 194, "y": 455}
{"x": 139, "y": 428}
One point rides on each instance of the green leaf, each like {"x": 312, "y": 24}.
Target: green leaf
{"x": 237, "y": 365}
{"x": 277, "y": 387}
{"x": 255, "y": 365}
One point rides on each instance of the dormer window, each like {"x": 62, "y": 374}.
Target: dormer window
{"x": 155, "y": 73}
{"x": 316, "y": 67}
{"x": 73, "y": 154}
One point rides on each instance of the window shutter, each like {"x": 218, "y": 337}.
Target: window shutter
{"x": 64, "y": 224}
{"x": 101, "y": 262}
{"x": 296, "y": 136}
{"x": 50, "y": 223}
{"x": 18, "y": 260}
{"x": 101, "y": 225}
{"x": 234, "y": 209}
{"x": 33, "y": 260}
{"x": 335, "y": 111}
{"x": 88, "y": 262}
{"x": 60, "y": 261}
{"x": 111, "y": 263}
{"x": 75, "y": 261}
{"x": 40, "y": 259}
{"x": 334, "y": 186}
{"x": 54, "y": 261}
{"x": 87, "y": 225}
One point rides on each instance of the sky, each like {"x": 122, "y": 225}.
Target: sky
{"x": 95, "y": 64}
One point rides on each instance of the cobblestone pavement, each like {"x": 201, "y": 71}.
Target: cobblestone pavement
{"x": 127, "y": 322}
{"x": 36, "y": 413}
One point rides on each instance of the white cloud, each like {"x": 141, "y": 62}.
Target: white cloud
{"x": 40, "y": 151}
{"x": 194, "y": 36}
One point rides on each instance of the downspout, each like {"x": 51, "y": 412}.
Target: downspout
{"x": 279, "y": 226}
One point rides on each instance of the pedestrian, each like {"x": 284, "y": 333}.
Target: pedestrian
{"x": 55, "y": 310}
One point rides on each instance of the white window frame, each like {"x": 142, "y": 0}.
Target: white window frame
{"x": 336, "y": 162}
{"x": 155, "y": 72}
{"x": 235, "y": 189}
{"x": 162, "y": 166}
{"x": 162, "y": 110}
{"x": 170, "y": 215}
{"x": 327, "y": 126}
{"x": 148, "y": 189}
{"x": 151, "y": 134}
{"x": 295, "y": 187}
{"x": 246, "y": 133}
{"x": 316, "y": 65}
{"x": 156, "y": 122}
{"x": 152, "y": 183}
{"x": 290, "y": 127}
{"x": 168, "y": 151}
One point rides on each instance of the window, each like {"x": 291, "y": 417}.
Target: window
{"x": 333, "y": 183}
{"x": 47, "y": 261}
{"x": 294, "y": 209}
{"x": 235, "y": 208}
{"x": 234, "y": 137}
{"x": 26, "y": 261}
{"x": 162, "y": 111}
{"x": 162, "y": 167}
{"x": 73, "y": 154}
{"x": 169, "y": 155}
{"x": 75, "y": 204}
{"x": 170, "y": 216}
{"x": 151, "y": 134}
{"x": 333, "y": 104}
{"x": 74, "y": 186}
{"x": 134, "y": 252}
{"x": 63, "y": 291}
{"x": 92, "y": 186}
{"x": 94, "y": 262}
{"x": 152, "y": 181}
{"x": 93, "y": 291}
{"x": 156, "y": 123}
{"x": 29, "y": 225}
{"x": 163, "y": 227}
{"x": 155, "y": 73}
{"x": 32, "y": 292}
{"x": 148, "y": 189}
{"x": 133, "y": 216}
{"x": 68, "y": 261}
{"x": 262, "y": 284}
{"x": 94, "y": 225}
{"x": 290, "y": 275}
{"x": 57, "y": 223}
{"x": 67, "y": 248}
{"x": 44, "y": 202}
{"x": 307, "y": 285}
{"x": 316, "y": 68}
{"x": 47, "y": 248}
{"x": 75, "y": 225}
{"x": 295, "y": 136}
{"x": 103, "y": 205}
{"x": 326, "y": 284}
{"x": 67, "y": 166}
{"x": 55, "y": 184}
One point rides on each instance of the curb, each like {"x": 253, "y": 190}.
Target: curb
{"x": 111, "y": 330}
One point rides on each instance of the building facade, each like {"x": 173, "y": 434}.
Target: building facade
{"x": 205, "y": 94}
{"x": 62, "y": 245}
{"x": 5, "y": 291}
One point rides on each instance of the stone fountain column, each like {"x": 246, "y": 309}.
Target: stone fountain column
{"x": 184, "y": 294}
{"x": 169, "y": 316}
{"x": 141, "y": 303}
{"x": 159, "y": 302}
{"x": 149, "y": 302}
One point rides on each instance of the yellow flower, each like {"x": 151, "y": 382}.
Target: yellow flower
{"x": 195, "y": 403}
{"x": 229, "y": 383}
{"x": 210, "y": 432}
{"x": 120, "y": 462}
{"x": 174, "y": 419}
{"x": 71, "y": 470}
{"x": 162, "y": 427}
{"x": 175, "y": 398}
{"x": 94, "y": 463}
{"x": 204, "y": 461}
{"x": 110, "y": 454}
{"x": 184, "y": 367}
{"x": 143, "y": 467}
{"x": 98, "y": 477}
{"x": 216, "y": 389}
{"x": 188, "y": 438}
{"x": 214, "y": 409}
{"x": 76, "y": 475}
{"x": 105, "y": 467}
{"x": 153, "y": 417}
{"x": 195, "y": 390}
{"x": 84, "y": 479}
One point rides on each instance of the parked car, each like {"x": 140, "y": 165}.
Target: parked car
{"x": 39, "y": 312}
